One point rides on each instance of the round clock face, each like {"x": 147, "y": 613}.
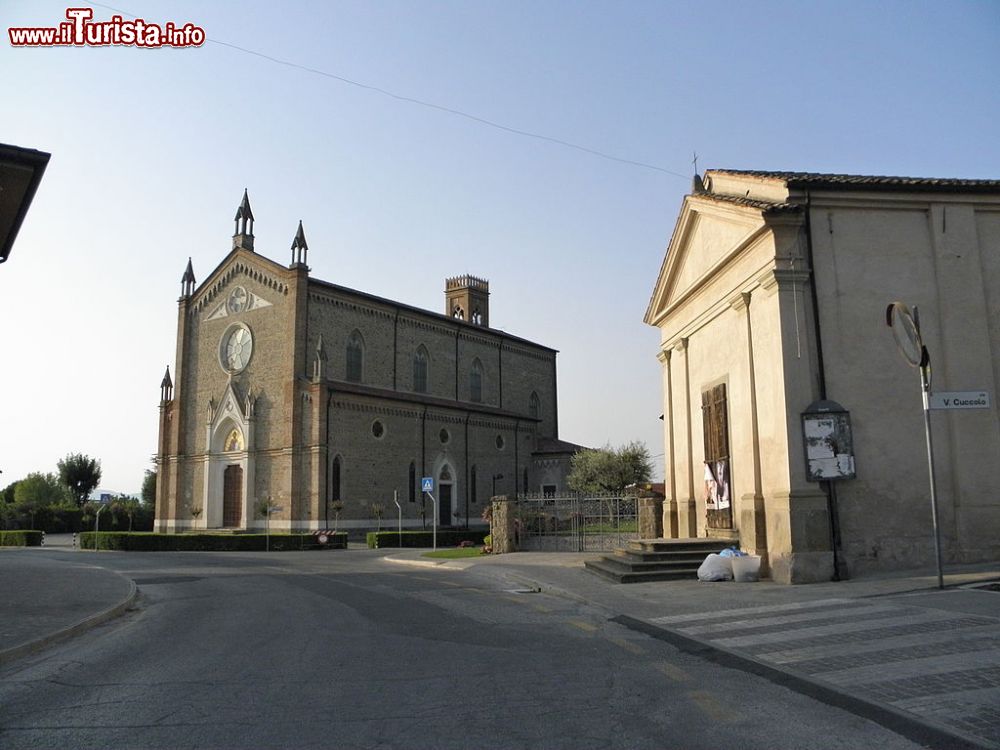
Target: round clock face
{"x": 236, "y": 348}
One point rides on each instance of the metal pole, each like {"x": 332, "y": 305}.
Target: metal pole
{"x": 97, "y": 525}
{"x": 395, "y": 499}
{"x": 925, "y": 386}
{"x": 434, "y": 500}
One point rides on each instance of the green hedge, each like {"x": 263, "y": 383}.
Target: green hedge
{"x": 445, "y": 538}
{"x": 21, "y": 538}
{"x": 152, "y": 542}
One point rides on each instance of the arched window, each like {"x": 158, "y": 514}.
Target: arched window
{"x": 472, "y": 485}
{"x": 355, "y": 357}
{"x": 413, "y": 482}
{"x": 335, "y": 495}
{"x": 458, "y": 312}
{"x": 477, "y": 317}
{"x": 525, "y": 480}
{"x": 476, "y": 382}
{"x": 420, "y": 370}
{"x": 534, "y": 406}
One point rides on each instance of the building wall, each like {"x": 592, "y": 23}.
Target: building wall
{"x": 302, "y": 420}
{"x": 938, "y": 253}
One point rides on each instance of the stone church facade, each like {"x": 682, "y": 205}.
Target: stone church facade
{"x": 771, "y": 303}
{"x": 327, "y": 401}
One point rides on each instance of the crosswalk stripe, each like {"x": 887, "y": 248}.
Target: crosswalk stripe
{"x": 762, "y": 622}
{"x": 743, "y": 611}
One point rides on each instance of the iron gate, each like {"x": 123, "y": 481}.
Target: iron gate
{"x": 576, "y": 523}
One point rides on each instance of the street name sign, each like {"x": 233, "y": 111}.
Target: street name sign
{"x": 959, "y": 400}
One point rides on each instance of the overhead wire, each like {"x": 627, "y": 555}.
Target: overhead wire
{"x": 428, "y": 104}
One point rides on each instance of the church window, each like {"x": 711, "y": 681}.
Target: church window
{"x": 413, "y": 482}
{"x": 355, "y": 357}
{"x": 420, "y": 370}
{"x": 500, "y": 442}
{"x": 472, "y": 484}
{"x": 476, "y": 382}
{"x": 534, "y": 406}
{"x": 525, "y": 482}
{"x": 458, "y": 312}
{"x": 444, "y": 436}
{"x": 335, "y": 480}
{"x": 378, "y": 429}
{"x": 477, "y": 317}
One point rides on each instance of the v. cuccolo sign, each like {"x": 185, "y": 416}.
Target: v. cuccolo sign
{"x": 959, "y": 400}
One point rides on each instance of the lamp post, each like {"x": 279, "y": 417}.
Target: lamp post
{"x": 495, "y": 478}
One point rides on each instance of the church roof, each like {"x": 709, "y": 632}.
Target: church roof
{"x": 855, "y": 181}
{"x": 472, "y": 328}
{"x": 555, "y": 445}
{"x": 738, "y": 200}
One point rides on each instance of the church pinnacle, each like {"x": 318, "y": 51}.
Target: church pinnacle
{"x": 244, "y": 225}
{"x": 187, "y": 280}
{"x": 300, "y": 250}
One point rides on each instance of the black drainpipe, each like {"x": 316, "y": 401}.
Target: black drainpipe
{"x": 468, "y": 471}
{"x": 326, "y": 459}
{"x": 517, "y": 462}
{"x": 423, "y": 465}
{"x": 828, "y": 486}
{"x": 395, "y": 353}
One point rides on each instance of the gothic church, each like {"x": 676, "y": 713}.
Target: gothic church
{"x": 330, "y": 402}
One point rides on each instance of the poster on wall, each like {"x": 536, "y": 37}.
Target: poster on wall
{"x": 717, "y": 485}
{"x": 828, "y": 443}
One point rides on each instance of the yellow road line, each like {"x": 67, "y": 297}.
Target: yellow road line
{"x": 710, "y": 706}
{"x": 627, "y": 645}
{"x": 585, "y": 626}
{"x": 673, "y": 672}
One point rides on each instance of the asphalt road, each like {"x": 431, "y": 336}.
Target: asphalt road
{"x": 341, "y": 649}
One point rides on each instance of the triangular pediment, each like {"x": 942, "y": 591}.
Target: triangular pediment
{"x": 219, "y": 293}
{"x": 705, "y": 239}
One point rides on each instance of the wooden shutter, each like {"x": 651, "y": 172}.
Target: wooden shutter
{"x": 714, "y": 412}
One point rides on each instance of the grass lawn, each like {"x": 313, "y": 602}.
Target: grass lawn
{"x": 455, "y": 553}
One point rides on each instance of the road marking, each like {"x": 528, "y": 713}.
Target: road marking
{"x": 627, "y": 645}
{"x": 673, "y": 672}
{"x": 585, "y": 626}
{"x": 710, "y": 706}
{"x": 452, "y": 583}
{"x": 539, "y": 608}
{"x": 729, "y": 613}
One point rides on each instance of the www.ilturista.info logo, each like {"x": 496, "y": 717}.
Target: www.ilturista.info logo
{"x": 80, "y": 30}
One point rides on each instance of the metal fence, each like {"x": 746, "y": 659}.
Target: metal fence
{"x": 576, "y": 523}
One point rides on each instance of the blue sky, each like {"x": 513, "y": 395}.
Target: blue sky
{"x": 151, "y": 150}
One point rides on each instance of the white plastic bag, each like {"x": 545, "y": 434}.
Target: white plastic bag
{"x": 716, "y": 568}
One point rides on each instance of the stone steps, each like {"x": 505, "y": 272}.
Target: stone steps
{"x": 657, "y": 559}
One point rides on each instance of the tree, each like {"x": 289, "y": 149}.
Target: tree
{"x": 149, "y": 487}
{"x": 130, "y": 507}
{"x": 610, "y": 469}
{"x": 7, "y": 493}
{"x": 81, "y": 474}
{"x": 37, "y": 491}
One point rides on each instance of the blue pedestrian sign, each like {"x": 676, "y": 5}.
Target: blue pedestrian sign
{"x": 427, "y": 484}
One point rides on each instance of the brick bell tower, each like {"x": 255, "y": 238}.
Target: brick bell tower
{"x": 468, "y": 298}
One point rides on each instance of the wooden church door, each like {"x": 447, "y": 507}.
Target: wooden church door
{"x": 232, "y": 496}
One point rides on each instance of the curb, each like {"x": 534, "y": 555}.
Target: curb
{"x": 901, "y": 722}
{"x": 12, "y": 654}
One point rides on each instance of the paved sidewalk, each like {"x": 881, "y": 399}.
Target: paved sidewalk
{"x": 893, "y": 648}
{"x": 47, "y": 600}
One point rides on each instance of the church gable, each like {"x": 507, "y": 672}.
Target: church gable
{"x": 223, "y": 294}
{"x": 706, "y": 237}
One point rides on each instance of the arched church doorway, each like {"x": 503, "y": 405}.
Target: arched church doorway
{"x": 445, "y": 485}
{"x": 232, "y": 496}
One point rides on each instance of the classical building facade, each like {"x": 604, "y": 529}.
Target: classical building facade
{"x": 772, "y": 297}
{"x": 329, "y": 402}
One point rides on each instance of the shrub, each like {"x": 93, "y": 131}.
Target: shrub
{"x": 445, "y": 538}
{"x": 21, "y": 538}
{"x": 138, "y": 541}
